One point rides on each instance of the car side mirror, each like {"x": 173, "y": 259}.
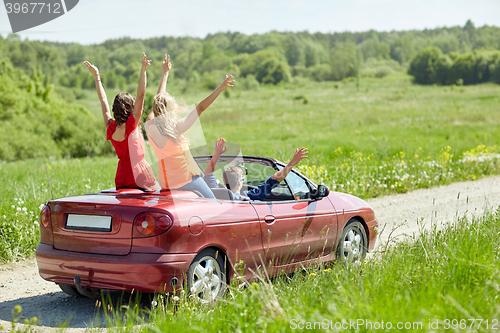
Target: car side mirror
{"x": 321, "y": 192}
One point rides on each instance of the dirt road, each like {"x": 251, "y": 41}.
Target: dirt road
{"x": 20, "y": 283}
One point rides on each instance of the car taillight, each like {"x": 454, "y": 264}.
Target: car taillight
{"x": 45, "y": 217}
{"x": 151, "y": 224}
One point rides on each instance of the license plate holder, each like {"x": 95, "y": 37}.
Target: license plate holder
{"x": 100, "y": 223}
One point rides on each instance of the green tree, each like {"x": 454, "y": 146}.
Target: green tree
{"x": 344, "y": 61}
{"x": 402, "y": 48}
{"x": 273, "y": 71}
{"x": 464, "y": 68}
{"x": 447, "y": 43}
{"x": 294, "y": 51}
{"x": 429, "y": 66}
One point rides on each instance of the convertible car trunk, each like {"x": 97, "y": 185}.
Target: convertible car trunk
{"x": 99, "y": 224}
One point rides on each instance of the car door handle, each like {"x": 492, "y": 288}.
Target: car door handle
{"x": 269, "y": 218}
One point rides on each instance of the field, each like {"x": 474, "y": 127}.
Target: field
{"x": 377, "y": 137}
{"x": 383, "y": 136}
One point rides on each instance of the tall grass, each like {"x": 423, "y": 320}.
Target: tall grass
{"x": 444, "y": 280}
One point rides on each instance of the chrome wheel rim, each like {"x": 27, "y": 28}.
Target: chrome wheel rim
{"x": 353, "y": 245}
{"x": 207, "y": 279}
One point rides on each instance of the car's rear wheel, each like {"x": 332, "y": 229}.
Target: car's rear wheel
{"x": 70, "y": 290}
{"x": 206, "y": 276}
{"x": 353, "y": 243}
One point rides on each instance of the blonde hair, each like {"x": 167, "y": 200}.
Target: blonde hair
{"x": 164, "y": 109}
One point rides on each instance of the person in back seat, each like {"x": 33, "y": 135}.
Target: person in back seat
{"x": 233, "y": 178}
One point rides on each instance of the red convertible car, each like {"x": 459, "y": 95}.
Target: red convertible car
{"x": 129, "y": 239}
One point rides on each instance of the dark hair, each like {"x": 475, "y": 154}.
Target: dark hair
{"x": 122, "y": 107}
{"x": 232, "y": 176}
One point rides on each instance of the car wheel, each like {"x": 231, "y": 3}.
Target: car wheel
{"x": 70, "y": 290}
{"x": 353, "y": 243}
{"x": 206, "y": 276}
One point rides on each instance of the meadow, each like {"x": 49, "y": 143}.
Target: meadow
{"x": 369, "y": 138}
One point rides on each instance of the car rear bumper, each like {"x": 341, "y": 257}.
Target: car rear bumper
{"x": 136, "y": 271}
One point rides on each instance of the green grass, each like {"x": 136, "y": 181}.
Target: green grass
{"x": 450, "y": 276}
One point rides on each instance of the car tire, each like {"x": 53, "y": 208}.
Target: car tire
{"x": 353, "y": 243}
{"x": 206, "y": 276}
{"x": 70, "y": 290}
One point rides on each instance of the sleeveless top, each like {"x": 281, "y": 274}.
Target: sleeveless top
{"x": 132, "y": 170}
{"x": 175, "y": 163}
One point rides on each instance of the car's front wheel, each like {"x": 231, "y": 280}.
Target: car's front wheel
{"x": 206, "y": 276}
{"x": 353, "y": 243}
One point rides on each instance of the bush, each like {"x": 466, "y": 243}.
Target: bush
{"x": 322, "y": 72}
{"x": 273, "y": 71}
{"x": 248, "y": 83}
{"x": 463, "y": 68}
{"x": 38, "y": 123}
{"x": 430, "y": 66}
{"x": 496, "y": 72}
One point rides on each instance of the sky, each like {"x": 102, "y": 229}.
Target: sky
{"x": 94, "y": 21}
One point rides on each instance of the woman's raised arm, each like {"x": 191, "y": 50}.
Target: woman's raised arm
{"x": 141, "y": 90}
{"x": 106, "y": 114}
{"x": 184, "y": 124}
{"x": 166, "y": 66}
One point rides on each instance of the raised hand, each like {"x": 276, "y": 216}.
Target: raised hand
{"x": 228, "y": 82}
{"x": 220, "y": 147}
{"x": 299, "y": 155}
{"x": 166, "y": 66}
{"x": 145, "y": 62}
{"x": 92, "y": 69}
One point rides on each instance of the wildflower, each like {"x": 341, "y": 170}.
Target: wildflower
{"x": 312, "y": 274}
{"x": 176, "y": 298}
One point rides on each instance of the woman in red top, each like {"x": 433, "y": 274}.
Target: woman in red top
{"x": 125, "y": 134}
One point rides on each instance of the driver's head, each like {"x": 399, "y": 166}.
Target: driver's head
{"x": 233, "y": 178}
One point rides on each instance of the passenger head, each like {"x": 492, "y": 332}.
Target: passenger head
{"x": 232, "y": 177}
{"x": 163, "y": 104}
{"x": 165, "y": 110}
{"x": 123, "y": 105}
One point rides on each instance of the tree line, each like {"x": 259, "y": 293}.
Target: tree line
{"x": 268, "y": 58}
